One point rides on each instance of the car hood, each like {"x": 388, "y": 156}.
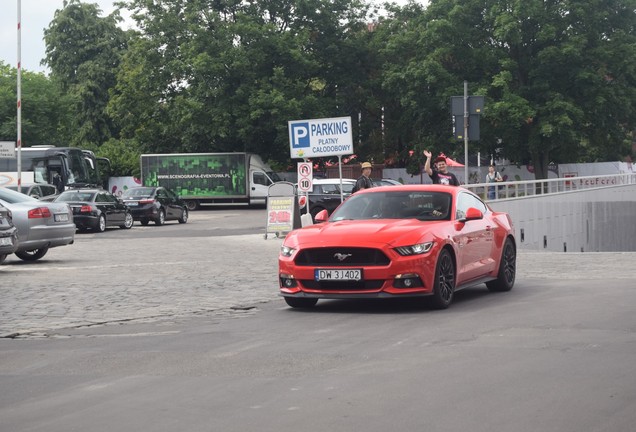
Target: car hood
{"x": 373, "y": 233}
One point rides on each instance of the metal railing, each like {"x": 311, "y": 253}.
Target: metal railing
{"x": 517, "y": 189}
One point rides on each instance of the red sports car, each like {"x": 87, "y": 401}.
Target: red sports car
{"x": 399, "y": 241}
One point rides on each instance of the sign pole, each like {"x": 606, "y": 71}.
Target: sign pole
{"x": 340, "y": 173}
{"x": 465, "y": 132}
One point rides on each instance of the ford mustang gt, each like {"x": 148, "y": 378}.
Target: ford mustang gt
{"x": 399, "y": 241}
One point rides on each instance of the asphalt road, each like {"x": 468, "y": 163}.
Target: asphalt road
{"x": 180, "y": 328}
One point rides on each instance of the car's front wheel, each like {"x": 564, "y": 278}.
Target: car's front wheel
{"x": 128, "y": 222}
{"x": 507, "y": 269}
{"x": 2, "y": 258}
{"x": 32, "y": 255}
{"x": 444, "y": 283}
{"x": 184, "y": 216}
{"x": 301, "y": 302}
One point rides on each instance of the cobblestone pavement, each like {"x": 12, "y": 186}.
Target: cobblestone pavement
{"x": 123, "y": 276}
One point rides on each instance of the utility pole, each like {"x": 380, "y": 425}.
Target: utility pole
{"x": 19, "y": 101}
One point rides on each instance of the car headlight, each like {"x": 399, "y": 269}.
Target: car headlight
{"x": 286, "y": 251}
{"x": 416, "y": 249}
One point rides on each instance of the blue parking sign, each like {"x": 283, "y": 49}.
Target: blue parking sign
{"x": 300, "y": 135}
{"x": 320, "y": 137}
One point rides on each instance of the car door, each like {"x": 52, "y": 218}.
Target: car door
{"x": 173, "y": 202}
{"x": 107, "y": 204}
{"x": 163, "y": 198}
{"x": 474, "y": 239}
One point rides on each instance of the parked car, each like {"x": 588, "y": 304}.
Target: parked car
{"x": 385, "y": 182}
{"x": 399, "y": 241}
{"x": 43, "y": 191}
{"x": 96, "y": 209}
{"x": 156, "y": 204}
{"x": 41, "y": 225}
{"x": 326, "y": 194}
{"x": 8, "y": 234}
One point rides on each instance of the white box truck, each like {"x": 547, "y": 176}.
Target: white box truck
{"x": 210, "y": 178}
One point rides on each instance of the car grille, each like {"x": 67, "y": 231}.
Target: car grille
{"x": 367, "y": 285}
{"x": 350, "y": 257}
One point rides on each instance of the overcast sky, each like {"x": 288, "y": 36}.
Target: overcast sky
{"x": 36, "y": 16}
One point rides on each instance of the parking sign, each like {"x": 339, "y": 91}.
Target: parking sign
{"x": 320, "y": 137}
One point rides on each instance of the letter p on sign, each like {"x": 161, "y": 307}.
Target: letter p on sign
{"x": 300, "y": 135}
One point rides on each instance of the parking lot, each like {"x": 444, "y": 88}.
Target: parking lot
{"x": 134, "y": 330}
{"x": 217, "y": 263}
{"x": 219, "y": 260}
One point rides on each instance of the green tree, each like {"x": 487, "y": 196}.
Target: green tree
{"x": 227, "y": 76}
{"x": 46, "y": 112}
{"x": 558, "y": 76}
{"x": 83, "y": 51}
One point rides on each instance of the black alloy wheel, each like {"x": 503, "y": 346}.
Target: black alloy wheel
{"x": 507, "y": 269}
{"x": 444, "y": 283}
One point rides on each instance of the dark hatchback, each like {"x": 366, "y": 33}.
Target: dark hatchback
{"x": 156, "y": 204}
{"x": 96, "y": 209}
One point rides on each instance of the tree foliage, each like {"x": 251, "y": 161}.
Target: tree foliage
{"x": 45, "y": 113}
{"x": 559, "y": 77}
{"x": 227, "y": 75}
{"x": 83, "y": 51}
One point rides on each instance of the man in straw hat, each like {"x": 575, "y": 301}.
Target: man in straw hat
{"x": 364, "y": 182}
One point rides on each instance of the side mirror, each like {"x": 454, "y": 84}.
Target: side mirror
{"x": 473, "y": 214}
{"x": 322, "y": 216}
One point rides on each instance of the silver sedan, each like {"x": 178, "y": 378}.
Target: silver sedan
{"x": 41, "y": 225}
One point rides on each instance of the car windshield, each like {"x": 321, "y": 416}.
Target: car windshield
{"x": 75, "y": 196}
{"x": 137, "y": 193}
{"x": 424, "y": 206}
{"x": 13, "y": 197}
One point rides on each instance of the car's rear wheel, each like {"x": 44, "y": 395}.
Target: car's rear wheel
{"x": 32, "y": 255}
{"x": 2, "y": 258}
{"x": 184, "y": 216}
{"x": 301, "y": 302}
{"x": 444, "y": 283}
{"x": 507, "y": 269}
{"x": 101, "y": 224}
{"x": 128, "y": 222}
{"x": 192, "y": 205}
{"x": 161, "y": 219}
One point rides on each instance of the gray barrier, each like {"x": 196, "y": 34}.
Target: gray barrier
{"x": 589, "y": 220}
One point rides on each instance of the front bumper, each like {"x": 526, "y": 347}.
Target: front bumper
{"x": 378, "y": 281}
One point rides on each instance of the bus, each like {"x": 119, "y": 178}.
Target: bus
{"x": 63, "y": 167}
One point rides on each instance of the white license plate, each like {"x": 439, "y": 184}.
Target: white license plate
{"x": 62, "y": 217}
{"x": 6, "y": 241}
{"x": 132, "y": 204}
{"x": 338, "y": 274}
